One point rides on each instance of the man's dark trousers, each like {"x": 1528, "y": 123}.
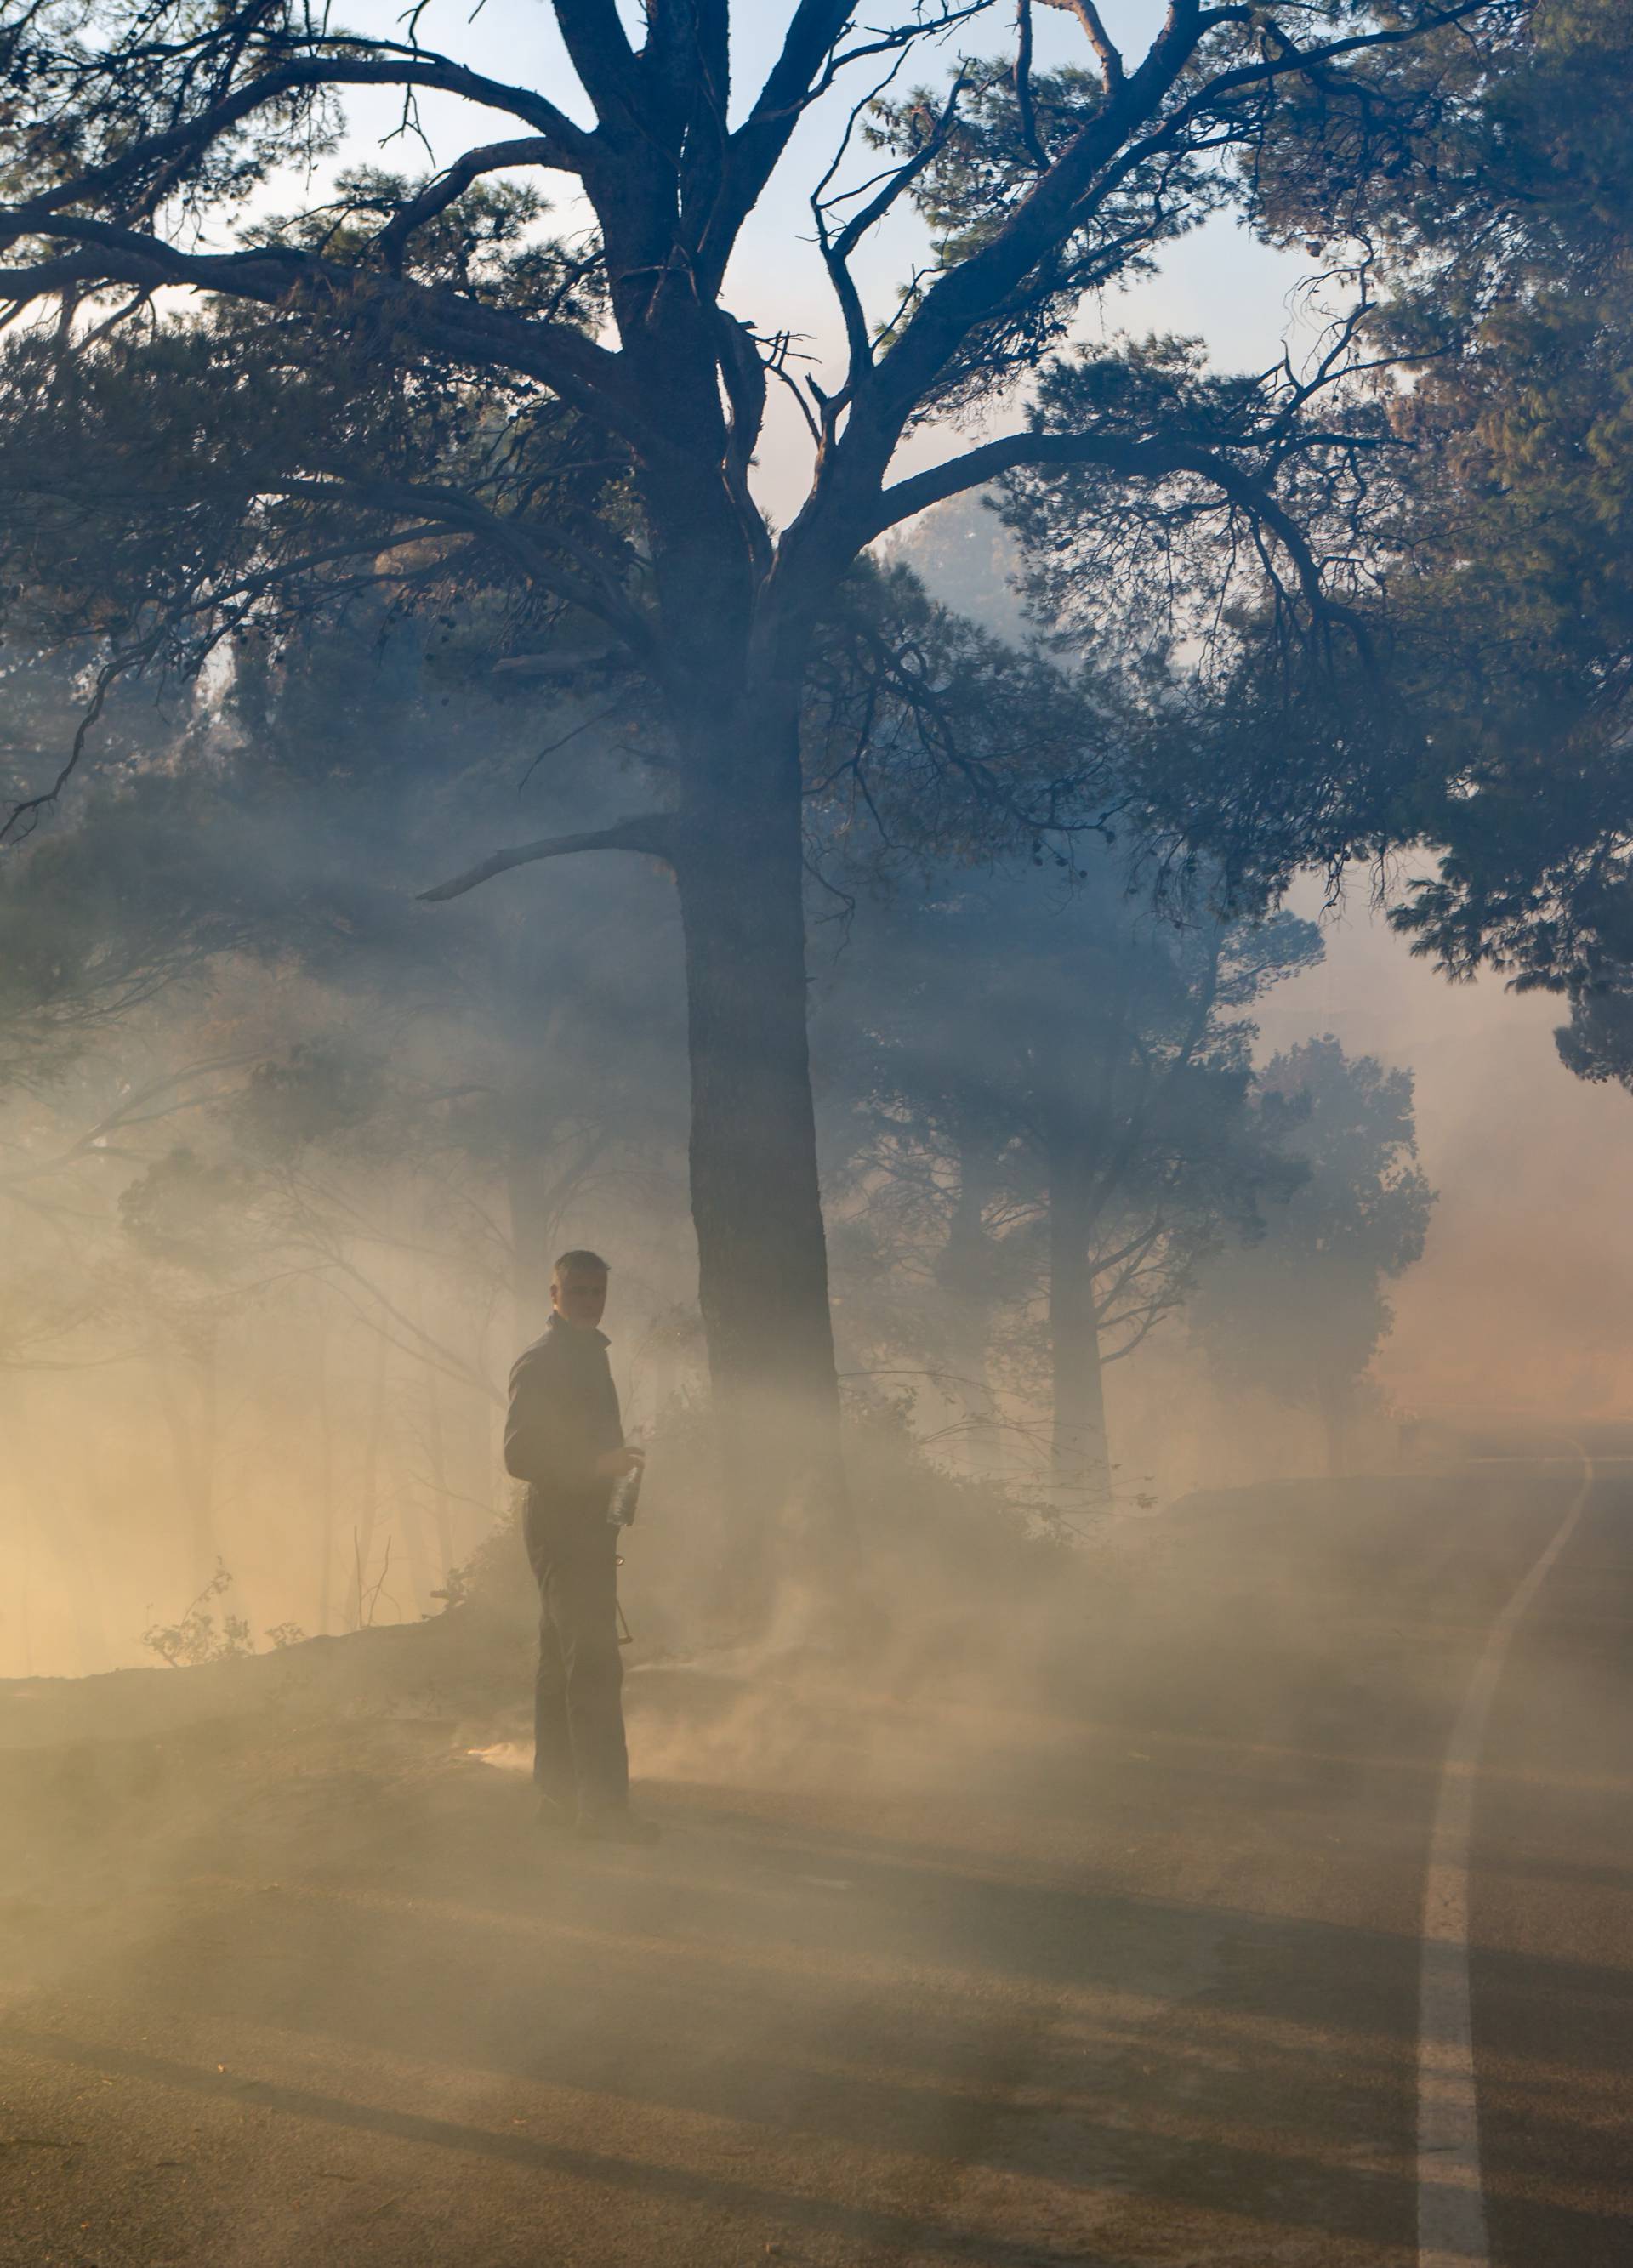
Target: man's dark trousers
{"x": 579, "y": 1760}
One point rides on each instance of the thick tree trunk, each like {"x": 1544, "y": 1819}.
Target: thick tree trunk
{"x": 1080, "y": 1461}
{"x": 762, "y": 1258}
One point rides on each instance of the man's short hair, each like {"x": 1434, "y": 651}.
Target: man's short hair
{"x": 579, "y": 1263}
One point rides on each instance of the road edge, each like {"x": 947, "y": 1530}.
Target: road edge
{"x": 1451, "y": 2198}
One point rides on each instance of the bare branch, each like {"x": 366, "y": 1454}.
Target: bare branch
{"x": 964, "y": 295}
{"x": 650, "y": 834}
{"x": 836, "y": 251}
{"x": 805, "y": 68}
{"x": 1089, "y": 15}
{"x": 1137, "y": 460}
{"x": 567, "y": 145}
{"x": 449, "y": 187}
{"x": 755, "y": 150}
{"x": 25, "y": 817}
{"x": 979, "y": 467}
{"x": 1025, "y": 108}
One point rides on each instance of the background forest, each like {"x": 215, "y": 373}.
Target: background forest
{"x": 918, "y": 857}
{"x": 287, "y": 1155}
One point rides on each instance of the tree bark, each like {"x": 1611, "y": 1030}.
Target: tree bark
{"x": 1080, "y": 1461}
{"x": 756, "y": 1199}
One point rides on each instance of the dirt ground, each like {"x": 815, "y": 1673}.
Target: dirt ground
{"x": 1104, "y": 1952}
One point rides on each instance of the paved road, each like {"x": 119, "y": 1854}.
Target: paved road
{"x": 1123, "y": 1968}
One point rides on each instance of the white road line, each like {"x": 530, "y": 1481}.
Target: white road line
{"x": 1450, "y": 2204}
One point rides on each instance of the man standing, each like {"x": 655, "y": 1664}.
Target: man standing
{"x": 564, "y": 1436}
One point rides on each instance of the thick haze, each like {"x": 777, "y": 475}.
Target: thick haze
{"x": 1523, "y": 1302}
{"x": 1111, "y": 1824}
{"x": 1518, "y": 1304}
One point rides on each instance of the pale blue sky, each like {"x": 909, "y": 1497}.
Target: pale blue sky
{"x": 1218, "y": 284}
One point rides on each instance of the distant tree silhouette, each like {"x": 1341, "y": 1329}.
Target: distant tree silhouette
{"x": 1053, "y": 1100}
{"x": 1301, "y": 1311}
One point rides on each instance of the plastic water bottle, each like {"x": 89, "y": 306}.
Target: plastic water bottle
{"x": 626, "y": 1496}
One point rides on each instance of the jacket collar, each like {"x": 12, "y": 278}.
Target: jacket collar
{"x": 559, "y": 1328}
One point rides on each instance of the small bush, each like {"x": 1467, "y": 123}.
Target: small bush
{"x": 194, "y": 1639}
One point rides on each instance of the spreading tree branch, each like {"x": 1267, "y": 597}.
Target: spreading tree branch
{"x": 565, "y": 148}
{"x": 1089, "y": 15}
{"x": 1153, "y": 458}
{"x": 649, "y": 834}
{"x": 449, "y": 187}
{"x": 592, "y": 378}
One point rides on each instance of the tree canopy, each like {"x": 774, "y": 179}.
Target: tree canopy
{"x": 1520, "y": 527}
{"x": 1047, "y": 1110}
{"x": 1302, "y": 1309}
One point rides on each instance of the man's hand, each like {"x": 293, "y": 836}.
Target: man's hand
{"x": 617, "y": 1462}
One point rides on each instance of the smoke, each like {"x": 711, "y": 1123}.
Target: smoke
{"x": 1520, "y": 1304}
{"x": 277, "y": 1232}
{"x": 284, "y": 1157}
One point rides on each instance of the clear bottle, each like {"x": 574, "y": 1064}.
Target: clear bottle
{"x": 624, "y": 1498}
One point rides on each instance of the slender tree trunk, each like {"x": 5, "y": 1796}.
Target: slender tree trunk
{"x": 436, "y": 1453}
{"x": 373, "y": 1444}
{"x": 966, "y": 1276}
{"x": 323, "y": 1429}
{"x": 763, "y": 1269}
{"x": 1079, "y": 1458}
{"x": 413, "y": 1528}
{"x": 206, "y": 1544}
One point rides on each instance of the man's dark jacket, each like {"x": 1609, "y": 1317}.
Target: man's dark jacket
{"x": 563, "y": 1417}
